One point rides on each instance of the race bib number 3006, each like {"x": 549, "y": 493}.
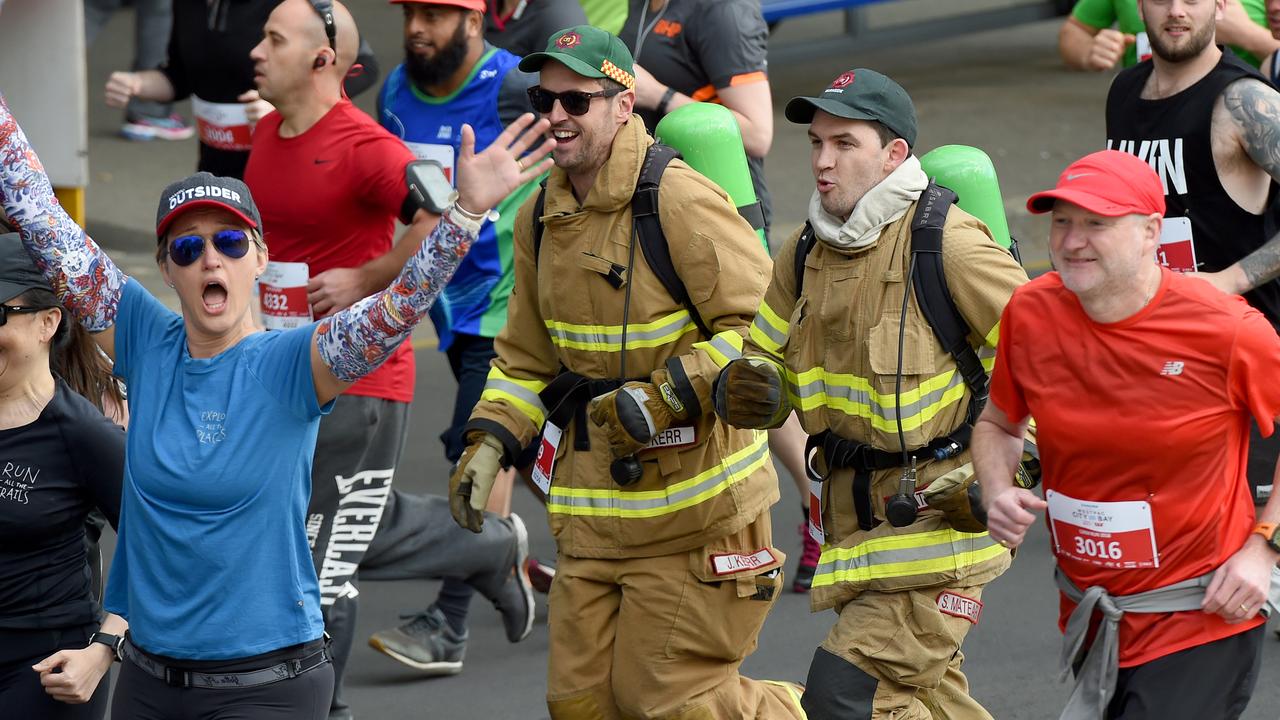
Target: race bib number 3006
{"x": 1108, "y": 534}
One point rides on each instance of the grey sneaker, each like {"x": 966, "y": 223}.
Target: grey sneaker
{"x": 515, "y": 599}
{"x": 425, "y": 643}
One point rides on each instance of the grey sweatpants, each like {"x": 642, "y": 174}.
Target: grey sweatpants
{"x": 356, "y": 521}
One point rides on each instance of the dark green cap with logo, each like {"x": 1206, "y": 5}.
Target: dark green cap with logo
{"x": 861, "y": 94}
{"x": 588, "y": 51}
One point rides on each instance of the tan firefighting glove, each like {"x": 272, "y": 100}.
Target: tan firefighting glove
{"x": 750, "y": 393}
{"x": 635, "y": 413}
{"x": 958, "y": 496}
{"x": 472, "y": 480}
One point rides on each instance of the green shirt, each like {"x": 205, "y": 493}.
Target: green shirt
{"x": 606, "y": 14}
{"x": 1124, "y": 13}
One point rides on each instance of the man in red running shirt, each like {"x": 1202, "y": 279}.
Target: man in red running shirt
{"x": 1143, "y": 383}
{"x": 330, "y": 184}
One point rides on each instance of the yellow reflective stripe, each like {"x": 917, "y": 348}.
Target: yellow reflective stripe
{"x": 993, "y": 337}
{"x": 608, "y": 338}
{"x": 522, "y": 394}
{"x": 791, "y": 692}
{"x": 652, "y": 503}
{"x": 816, "y": 388}
{"x": 935, "y": 551}
{"x": 722, "y": 348}
{"x": 768, "y": 331}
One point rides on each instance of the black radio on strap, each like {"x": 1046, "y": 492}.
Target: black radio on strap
{"x": 648, "y": 225}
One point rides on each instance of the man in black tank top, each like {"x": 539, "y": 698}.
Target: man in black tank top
{"x": 1209, "y": 125}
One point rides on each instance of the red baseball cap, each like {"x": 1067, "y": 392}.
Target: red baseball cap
{"x": 464, "y": 4}
{"x": 1109, "y": 183}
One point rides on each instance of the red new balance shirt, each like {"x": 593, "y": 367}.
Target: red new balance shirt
{"x": 330, "y": 198}
{"x": 1153, "y": 409}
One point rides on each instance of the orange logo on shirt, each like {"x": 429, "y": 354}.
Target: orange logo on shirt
{"x": 668, "y": 28}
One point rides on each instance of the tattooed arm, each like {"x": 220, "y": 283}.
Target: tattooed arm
{"x": 1254, "y": 108}
{"x": 355, "y": 341}
{"x": 86, "y": 281}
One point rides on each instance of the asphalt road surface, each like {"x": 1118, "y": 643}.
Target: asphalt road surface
{"x": 1003, "y": 91}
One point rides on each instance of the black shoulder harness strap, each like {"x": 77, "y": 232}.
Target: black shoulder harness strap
{"x": 931, "y": 289}
{"x": 934, "y": 297}
{"x": 648, "y": 225}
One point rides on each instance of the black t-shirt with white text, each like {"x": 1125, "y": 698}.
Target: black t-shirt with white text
{"x": 52, "y": 473}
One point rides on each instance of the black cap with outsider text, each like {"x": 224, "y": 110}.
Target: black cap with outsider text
{"x": 861, "y": 94}
{"x": 206, "y": 190}
{"x": 18, "y": 273}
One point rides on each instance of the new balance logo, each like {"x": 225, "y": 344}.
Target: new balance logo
{"x": 1173, "y": 367}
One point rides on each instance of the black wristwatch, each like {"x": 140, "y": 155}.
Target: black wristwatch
{"x": 112, "y": 641}
{"x": 666, "y": 100}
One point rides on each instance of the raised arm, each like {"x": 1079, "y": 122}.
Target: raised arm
{"x": 86, "y": 281}
{"x": 355, "y": 341}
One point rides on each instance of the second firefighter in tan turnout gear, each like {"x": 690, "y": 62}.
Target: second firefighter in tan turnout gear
{"x": 660, "y": 511}
{"x": 833, "y": 345}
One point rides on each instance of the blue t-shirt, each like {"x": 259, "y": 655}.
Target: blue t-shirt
{"x": 494, "y": 94}
{"x": 212, "y": 561}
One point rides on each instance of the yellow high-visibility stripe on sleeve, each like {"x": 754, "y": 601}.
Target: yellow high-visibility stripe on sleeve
{"x": 723, "y": 348}
{"x": 520, "y": 394}
{"x": 769, "y": 331}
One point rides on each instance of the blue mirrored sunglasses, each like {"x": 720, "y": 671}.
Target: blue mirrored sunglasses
{"x": 188, "y": 248}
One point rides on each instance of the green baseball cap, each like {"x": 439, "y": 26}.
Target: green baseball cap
{"x": 588, "y": 51}
{"x": 861, "y": 94}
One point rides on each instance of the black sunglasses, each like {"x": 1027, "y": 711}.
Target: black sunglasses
{"x": 188, "y": 248}
{"x": 574, "y": 102}
{"x": 6, "y": 309}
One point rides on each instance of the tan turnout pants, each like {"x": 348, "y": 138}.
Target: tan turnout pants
{"x": 662, "y": 638}
{"x": 897, "y": 655}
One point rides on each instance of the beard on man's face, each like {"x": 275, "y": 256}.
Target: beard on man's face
{"x": 1200, "y": 39}
{"x": 430, "y": 71}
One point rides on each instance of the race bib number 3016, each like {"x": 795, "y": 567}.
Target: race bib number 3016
{"x": 1108, "y": 534}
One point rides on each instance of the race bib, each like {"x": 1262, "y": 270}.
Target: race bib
{"x": 545, "y": 463}
{"x": 222, "y": 125}
{"x": 1107, "y": 534}
{"x": 815, "y": 512}
{"x": 1142, "y": 45}
{"x": 442, "y": 154}
{"x": 282, "y": 294}
{"x": 1176, "y": 250}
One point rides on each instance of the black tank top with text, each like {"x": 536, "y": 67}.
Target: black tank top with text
{"x": 1173, "y": 135}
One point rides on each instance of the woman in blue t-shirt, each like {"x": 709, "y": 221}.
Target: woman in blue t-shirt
{"x": 60, "y": 460}
{"x": 212, "y": 568}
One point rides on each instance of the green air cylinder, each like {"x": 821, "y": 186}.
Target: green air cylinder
{"x": 708, "y": 137}
{"x": 969, "y": 173}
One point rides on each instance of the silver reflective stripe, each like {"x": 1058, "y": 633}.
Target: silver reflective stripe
{"x": 519, "y": 392}
{"x": 605, "y": 335}
{"x": 621, "y": 502}
{"x": 863, "y": 397}
{"x": 759, "y": 323}
{"x": 725, "y": 348}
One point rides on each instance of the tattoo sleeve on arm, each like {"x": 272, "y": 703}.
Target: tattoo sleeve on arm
{"x": 1255, "y": 107}
{"x": 84, "y": 278}
{"x": 355, "y": 341}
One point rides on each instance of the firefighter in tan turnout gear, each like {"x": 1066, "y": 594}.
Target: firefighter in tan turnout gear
{"x": 847, "y": 345}
{"x": 660, "y": 511}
